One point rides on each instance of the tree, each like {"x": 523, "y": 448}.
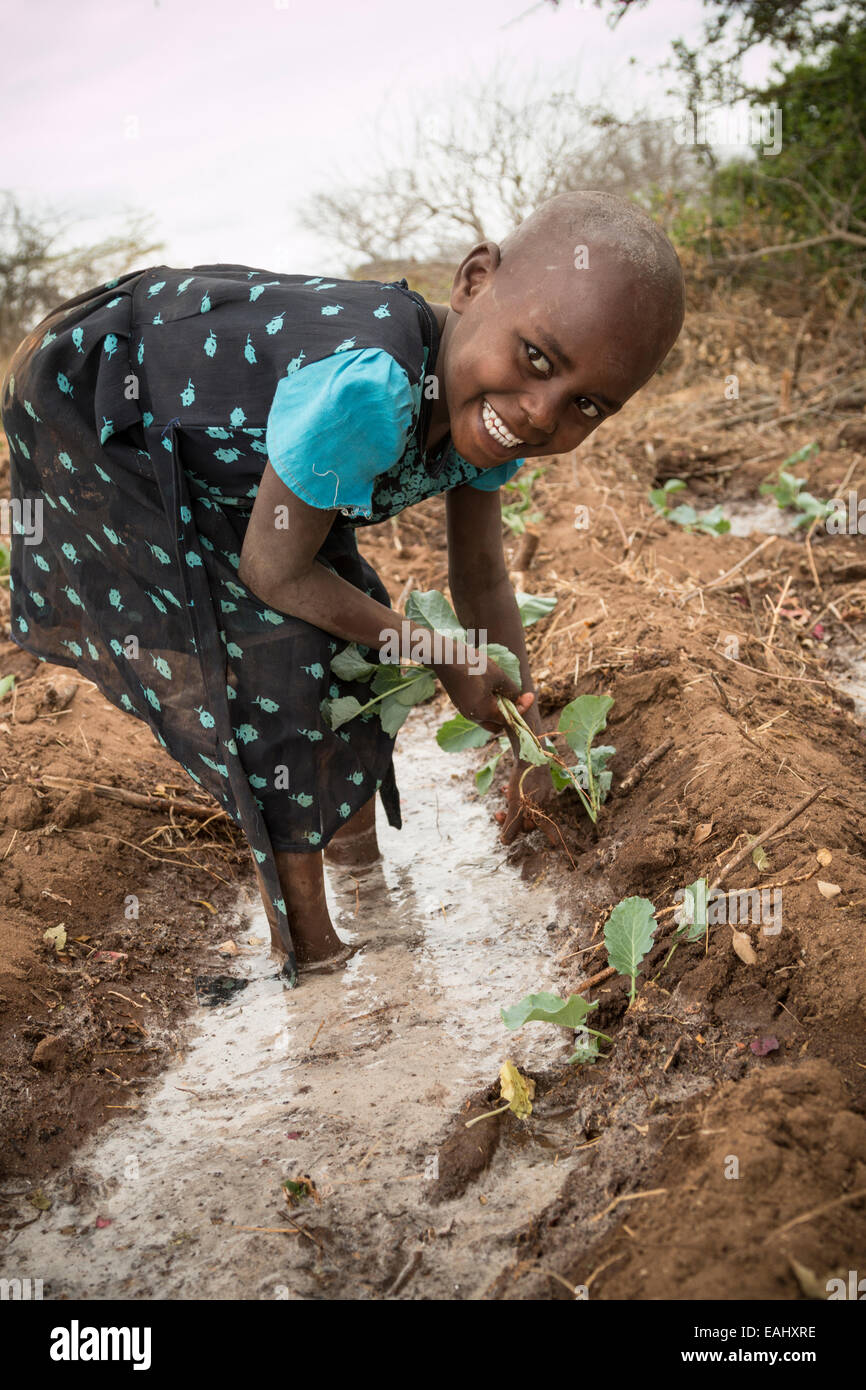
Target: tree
{"x": 480, "y": 168}
{"x": 794, "y": 28}
{"x": 810, "y": 198}
{"x": 36, "y": 274}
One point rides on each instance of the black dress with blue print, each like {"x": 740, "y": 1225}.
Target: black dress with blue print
{"x": 138, "y": 413}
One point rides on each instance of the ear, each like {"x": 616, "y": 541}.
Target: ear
{"x": 474, "y": 272}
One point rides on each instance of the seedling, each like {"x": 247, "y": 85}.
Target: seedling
{"x": 579, "y": 722}
{"x": 711, "y": 523}
{"x": 691, "y": 917}
{"x": 395, "y": 689}
{"x": 788, "y": 491}
{"x": 517, "y": 515}
{"x": 565, "y": 1013}
{"x": 628, "y": 934}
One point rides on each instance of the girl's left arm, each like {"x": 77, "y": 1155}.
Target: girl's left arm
{"x": 478, "y": 579}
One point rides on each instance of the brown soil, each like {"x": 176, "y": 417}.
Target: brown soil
{"x": 683, "y": 1100}
{"x": 82, "y": 1029}
{"x": 683, "y": 1092}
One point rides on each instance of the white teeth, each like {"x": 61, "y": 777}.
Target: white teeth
{"x": 496, "y": 427}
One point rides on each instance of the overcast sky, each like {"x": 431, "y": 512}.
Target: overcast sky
{"x": 220, "y": 116}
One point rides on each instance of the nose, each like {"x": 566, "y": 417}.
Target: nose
{"x": 541, "y": 414}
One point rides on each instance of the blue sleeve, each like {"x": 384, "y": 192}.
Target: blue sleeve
{"x": 338, "y": 423}
{"x": 492, "y": 478}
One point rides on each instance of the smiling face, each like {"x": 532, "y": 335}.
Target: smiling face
{"x": 538, "y": 352}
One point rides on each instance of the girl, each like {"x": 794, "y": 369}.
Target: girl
{"x": 208, "y": 441}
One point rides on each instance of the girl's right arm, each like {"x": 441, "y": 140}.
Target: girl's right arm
{"x": 278, "y": 563}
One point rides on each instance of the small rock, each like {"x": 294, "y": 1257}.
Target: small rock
{"x": 59, "y": 694}
{"x": 20, "y": 807}
{"x": 27, "y": 706}
{"x": 79, "y": 807}
{"x": 49, "y": 1052}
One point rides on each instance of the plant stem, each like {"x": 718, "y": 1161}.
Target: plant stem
{"x": 515, "y": 719}
{"x": 487, "y": 1114}
{"x": 385, "y": 693}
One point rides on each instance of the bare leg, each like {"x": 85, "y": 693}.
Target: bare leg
{"x": 303, "y": 884}
{"x": 355, "y": 844}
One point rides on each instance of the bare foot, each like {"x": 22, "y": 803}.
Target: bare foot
{"x": 333, "y": 963}
{"x": 303, "y": 884}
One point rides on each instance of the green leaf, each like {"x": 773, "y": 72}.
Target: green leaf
{"x": 547, "y": 1008}
{"x": 393, "y": 714}
{"x": 6, "y": 685}
{"x": 583, "y": 719}
{"x": 760, "y": 859}
{"x": 422, "y": 687}
{"x": 350, "y": 665}
{"x": 533, "y": 607}
{"x": 714, "y": 522}
{"x": 459, "y": 733}
{"x": 529, "y": 749}
{"x": 386, "y": 678}
{"x": 691, "y": 918}
{"x": 432, "y": 610}
{"x": 683, "y": 515}
{"x": 484, "y": 775}
{"x": 344, "y": 709}
{"x": 812, "y": 507}
{"x": 674, "y": 485}
{"x": 506, "y": 660}
{"x": 586, "y": 1048}
{"x": 659, "y": 499}
{"x": 628, "y": 935}
{"x": 560, "y": 778}
{"x": 808, "y": 451}
{"x": 599, "y": 757}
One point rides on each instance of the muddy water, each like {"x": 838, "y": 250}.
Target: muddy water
{"x": 848, "y": 674}
{"x": 761, "y": 515}
{"x": 350, "y": 1079}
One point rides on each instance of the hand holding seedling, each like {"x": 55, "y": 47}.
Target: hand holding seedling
{"x": 474, "y": 693}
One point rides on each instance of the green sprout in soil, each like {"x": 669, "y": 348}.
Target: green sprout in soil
{"x": 692, "y": 920}
{"x": 395, "y": 689}
{"x": 565, "y": 1013}
{"x": 579, "y": 723}
{"x": 711, "y": 523}
{"x": 628, "y": 935}
{"x": 788, "y": 491}
{"x": 517, "y": 515}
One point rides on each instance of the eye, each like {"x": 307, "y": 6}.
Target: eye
{"x": 588, "y": 408}
{"x": 538, "y": 354}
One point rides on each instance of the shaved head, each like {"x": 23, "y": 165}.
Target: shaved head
{"x": 552, "y": 331}
{"x": 623, "y": 231}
